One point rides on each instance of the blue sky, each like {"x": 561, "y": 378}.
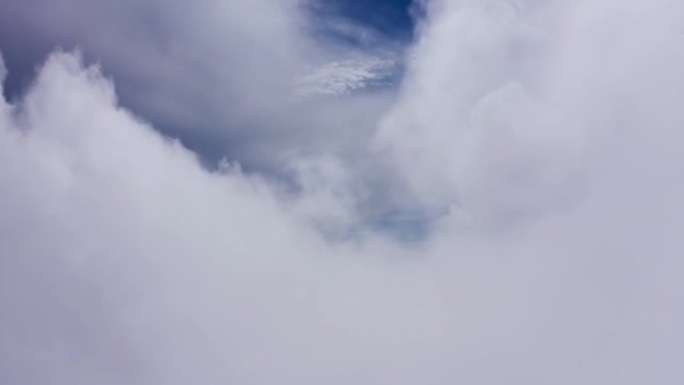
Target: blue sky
{"x": 390, "y": 17}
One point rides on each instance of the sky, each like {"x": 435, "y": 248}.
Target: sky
{"x": 475, "y": 192}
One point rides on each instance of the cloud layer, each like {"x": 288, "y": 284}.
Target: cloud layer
{"x": 545, "y": 134}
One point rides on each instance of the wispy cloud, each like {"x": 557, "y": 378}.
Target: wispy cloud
{"x": 345, "y": 77}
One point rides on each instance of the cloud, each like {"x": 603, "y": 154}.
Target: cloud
{"x": 547, "y": 132}
{"x": 502, "y": 124}
{"x": 342, "y": 78}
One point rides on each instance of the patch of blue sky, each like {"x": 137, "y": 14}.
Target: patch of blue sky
{"x": 391, "y": 19}
{"x": 368, "y": 41}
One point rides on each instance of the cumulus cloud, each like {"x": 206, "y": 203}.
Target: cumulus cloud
{"x": 502, "y": 124}
{"x": 124, "y": 260}
{"x": 547, "y": 133}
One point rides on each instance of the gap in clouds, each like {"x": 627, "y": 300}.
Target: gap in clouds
{"x": 227, "y": 78}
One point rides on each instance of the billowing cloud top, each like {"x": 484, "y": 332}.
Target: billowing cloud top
{"x": 532, "y": 151}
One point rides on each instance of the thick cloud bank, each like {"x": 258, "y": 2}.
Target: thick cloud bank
{"x": 548, "y": 132}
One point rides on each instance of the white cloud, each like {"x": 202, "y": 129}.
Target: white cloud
{"x": 345, "y": 77}
{"x": 124, "y": 261}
